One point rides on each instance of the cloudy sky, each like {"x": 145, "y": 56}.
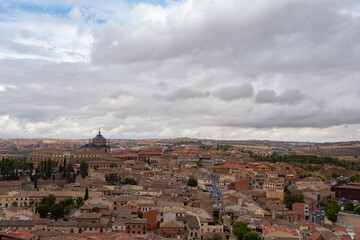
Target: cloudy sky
{"x": 234, "y": 69}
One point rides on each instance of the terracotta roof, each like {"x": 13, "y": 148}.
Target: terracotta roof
{"x": 172, "y": 224}
{"x": 19, "y": 234}
{"x": 276, "y": 228}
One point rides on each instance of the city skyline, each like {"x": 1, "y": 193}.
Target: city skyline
{"x": 239, "y": 70}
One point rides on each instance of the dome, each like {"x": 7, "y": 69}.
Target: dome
{"x": 99, "y": 137}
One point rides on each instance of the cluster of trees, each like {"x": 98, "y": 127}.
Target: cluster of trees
{"x": 313, "y": 168}
{"x": 192, "y": 182}
{"x": 84, "y": 169}
{"x": 205, "y": 147}
{"x": 331, "y": 209}
{"x": 113, "y": 165}
{"x": 355, "y": 178}
{"x": 12, "y": 169}
{"x": 224, "y": 147}
{"x": 168, "y": 149}
{"x": 48, "y": 205}
{"x": 290, "y": 198}
{"x": 335, "y": 175}
{"x": 114, "y": 179}
{"x": 303, "y": 159}
{"x": 67, "y": 171}
{"x": 241, "y": 231}
{"x": 186, "y": 142}
{"x": 349, "y": 206}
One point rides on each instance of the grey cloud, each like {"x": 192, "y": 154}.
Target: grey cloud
{"x": 183, "y": 93}
{"x": 290, "y": 96}
{"x": 265, "y": 96}
{"x": 235, "y": 92}
{"x": 181, "y": 68}
{"x": 24, "y": 48}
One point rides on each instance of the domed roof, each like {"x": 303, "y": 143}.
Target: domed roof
{"x": 99, "y": 137}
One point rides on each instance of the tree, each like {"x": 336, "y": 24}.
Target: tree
{"x": 48, "y": 168}
{"x": 129, "y": 181}
{"x": 332, "y": 216}
{"x": 69, "y": 168}
{"x": 239, "y": 229}
{"x": 113, "y": 165}
{"x": 96, "y": 167}
{"x": 79, "y": 201}
{"x": 48, "y": 200}
{"x": 61, "y": 168}
{"x": 86, "y": 197}
{"x": 331, "y": 209}
{"x": 84, "y": 169}
{"x": 341, "y": 182}
{"x": 349, "y": 206}
{"x": 192, "y": 182}
{"x": 57, "y": 210}
{"x": 68, "y": 202}
{"x": 251, "y": 236}
{"x": 64, "y": 168}
{"x": 35, "y": 184}
{"x": 357, "y": 210}
{"x": 291, "y": 198}
{"x": 112, "y": 178}
{"x": 216, "y": 237}
{"x": 335, "y": 175}
{"x": 43, "y": 209}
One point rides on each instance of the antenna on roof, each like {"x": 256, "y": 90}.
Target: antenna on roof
{"x": 99, "y": 132}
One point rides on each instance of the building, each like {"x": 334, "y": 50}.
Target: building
{"x": 98, "y": 144}
{"x": 351, "y": 192}
{"x": 303, "y": 209}
{"x": 172, "y": 230}
{"x": 95, "y": 151}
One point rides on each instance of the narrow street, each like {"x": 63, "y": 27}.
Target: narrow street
{"x": 216, "y": 196}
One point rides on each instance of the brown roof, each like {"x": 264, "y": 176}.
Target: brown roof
{"x": 89, "y": 216}
{"x": 172, "y": 224}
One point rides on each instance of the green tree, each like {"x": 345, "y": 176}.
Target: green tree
{"x": 96, "y": 167}
{"x": 64, "y": 169}
{"x": 57, "y": 210}
{"x": 43, "y": 209}
{"x": 357, "y": 210}
{"x": 239, "y": 229}
{"x": 192, "y": 182}
{"x": 48, "y": 200}
{"x": 291, "y": 198}
{"x": 332, "y": 216}
{"x": 341, "y": 182}
{"x": 335, "y": 175}
{"x": 84, "y": 169}
{"x": 79, "y": 201}
{"x": 48, "y": 168}
{"x": 349, "y": 206}
{"x": 35, "y": 184}
{"x": 113, "y": 165}
{"x": 68, "y": 202}
{"x": 252, "y": 236}
{"x": 86, "y": 197}
{"x": 216, "y": 237}
{"x": 112, "y": 178}
{"x": 129, "y": 181}
{"x": 69, "y": 168}
{"x": 331, "y": 209}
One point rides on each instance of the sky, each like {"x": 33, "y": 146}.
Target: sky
{"x": 237, "y": 69}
